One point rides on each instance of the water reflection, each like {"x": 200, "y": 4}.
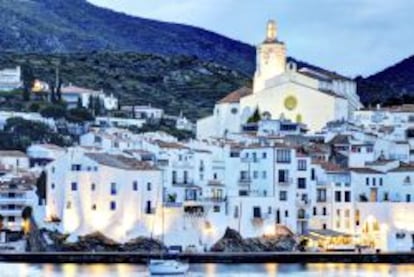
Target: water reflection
{"x": 210, "y": 270}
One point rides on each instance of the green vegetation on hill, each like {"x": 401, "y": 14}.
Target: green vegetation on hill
{"x": 172, "y": 83}
{"x": 18, "y": 134}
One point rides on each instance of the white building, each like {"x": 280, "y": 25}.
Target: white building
{"x": 146, "y": 112}
{"x": 13, "y": 160}
{"x": 282, "y": 89}
{"x": 15, "y": 195}
{"x": 112, "y": 194}
{"x": 42, "y": 154}
{"x": 10, "y": 79}
{"x": 73, "y": 94}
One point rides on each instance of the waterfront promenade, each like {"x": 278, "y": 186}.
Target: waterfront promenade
{"x": 264, "y": 257}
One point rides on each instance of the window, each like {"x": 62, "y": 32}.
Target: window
{"x": 94, "y": 207}
{"x": 74, "y": 186}
{"x": 174, "y": 177}
{"x": 283, "y": 156}
{"x": 236, "y": 212}
{"x": 374, "y": 181}
{"x": 367, "y": 181}
{"x": 216, "y": 209}
{"x": 347, "y": 196}
{"x": 185, "y": 177}
{"x": 283, "y": 195}
{"x": 76, "y": 167}
{"x": 324, "y": 211}
{"x": 321, "y": 195}
{"x": 380, "y": 182}
{"x": 302, "y": 165}
{"x": 254, "y": 157}
{"x": 234, "y": 110}
{"x": 68, "y": 205}
{"x": 301, "y": 183}
{"x": 257, "y": 213}
{"x": 255, "y": 174}
{"x": 283, "y": 176}
{"x": 135, "y": 186}
{"x": 113, "y": 205}
{"x": 338, "y": 212}
{"x": 313, "y": 175}
{"x": 338, "y": 196}
{"x": 315, "y": 212}
{"x": 53, "y": 169}
{"x": 148, "y": 186}
{"x": 264, "y": 155}
{"x": 93, "y": 187}
{"x": 264, "y": 174}
{"x": 113, "y": 188}
{"x": 52, "y": 185}
{"x": 11, "y": 219}
{"x": 286, "y": 213}
{"x": 408, "y": 198}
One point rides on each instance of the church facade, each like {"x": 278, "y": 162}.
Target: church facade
{"x": 283, "y": 89}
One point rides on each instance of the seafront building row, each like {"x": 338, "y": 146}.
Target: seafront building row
{"x": 296, "y": 153}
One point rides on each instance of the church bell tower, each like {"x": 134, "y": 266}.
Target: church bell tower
{"x": 270, "y": 58}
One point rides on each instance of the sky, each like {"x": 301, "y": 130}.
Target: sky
{"x": 352, "y": 37}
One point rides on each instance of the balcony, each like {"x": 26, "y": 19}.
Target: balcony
{"x": 214, "y": 199}
{"x": 285, "y": 182}
{"x": 245, "y": 181}
{"x": 215, "y": 183}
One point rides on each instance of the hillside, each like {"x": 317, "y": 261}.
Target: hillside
{"x": 173, "y": 83}
{"x": 52, "y": 26}
{"x": 393, "y": 85}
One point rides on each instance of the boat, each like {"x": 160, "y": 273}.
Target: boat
{"x": 164, "y": 266}
{"x": 167, "y": 267}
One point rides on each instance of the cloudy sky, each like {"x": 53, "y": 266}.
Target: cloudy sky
{"x": 349, "y": 36}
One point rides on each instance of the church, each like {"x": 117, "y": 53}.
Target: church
{"x": 282, "y": 89}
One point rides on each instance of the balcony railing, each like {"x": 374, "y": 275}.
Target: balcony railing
{"x": 245, "y": 181}
{"x": 285, "y": 182}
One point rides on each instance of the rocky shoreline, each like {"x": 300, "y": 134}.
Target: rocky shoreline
{"x": 232, "y": 241}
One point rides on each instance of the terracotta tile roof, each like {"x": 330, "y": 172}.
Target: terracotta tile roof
{"x": 328, "y": 166}
{"x": 170, "y": 145}
{"x": 235, "y": 96}
{"x": 365, "y": 170}
{"x": 404, "y": 168}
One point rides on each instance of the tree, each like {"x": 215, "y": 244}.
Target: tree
{"x": 79, "y": 115}
{"x": 28, "y": 81}
{"x": 256, "y": 117}
{"x": 79, "y": 104}
{"x": 27, "y": 213}
{"x": 53, "y": 111}
{"x": 41, "y": 187}
{"x": 98, "y": 106}
{"x": 91, "y": 102}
